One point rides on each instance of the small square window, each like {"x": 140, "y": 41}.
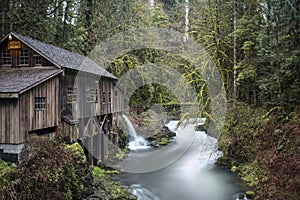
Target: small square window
{"x": 40, "y": 103}
{"x": 38, "y": 60}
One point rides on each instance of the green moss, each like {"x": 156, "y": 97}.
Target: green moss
{"x": 252, "y": 173}
{"x": 76, "y": 148}
{"x": 48, "y": 170}
{"x": 109, "y": 189}
{"x": 99, "y": 172}
{"x": 234, "y": 169}
{"x": 120, "y": 155}
{"x": 250, "y": 194}
{"x": 6, "y": 184}
{"x": 261, "y": 145}
{"x": 163, "y": 141}
{"x": 6, "y": 167}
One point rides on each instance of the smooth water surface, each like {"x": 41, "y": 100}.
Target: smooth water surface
{"x": 192, "y": 176}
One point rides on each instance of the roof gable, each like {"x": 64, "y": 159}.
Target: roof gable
{"x": 62, "y": 57}
{"x": 19, "y": 80}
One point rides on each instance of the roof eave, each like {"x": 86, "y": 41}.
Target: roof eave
{"x": 39, "y": 82}
{"x": 9, "y": 95}
{"x": 5, "y": 36}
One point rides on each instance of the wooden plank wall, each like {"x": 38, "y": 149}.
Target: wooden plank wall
{"x": 82, "y": 109}
{"x": 19, "y": 116}
{"x": 85, "y": 83}
{"x": 103, "y": 95}
{"x": 67, "y": 80}
{"x": 15, "y": 56}
{"x": 69, "y": 130}
{"x": 32, "y": 119}
{"x": 106, "y": 88}
{"x": 9, "y": 122}
{"x": 118, "y": 100}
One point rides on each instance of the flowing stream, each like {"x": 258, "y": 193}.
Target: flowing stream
{"x": 176, "y": 173}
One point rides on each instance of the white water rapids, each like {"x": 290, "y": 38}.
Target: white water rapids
{"x": 190, "y": 175}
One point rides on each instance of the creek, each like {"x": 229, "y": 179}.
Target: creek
{"x": 183, "y": 170}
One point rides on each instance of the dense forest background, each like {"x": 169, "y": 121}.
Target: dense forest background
{"x": 254, "y": 43}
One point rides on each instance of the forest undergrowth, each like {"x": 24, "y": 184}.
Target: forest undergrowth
{"x": 262, "y": 146}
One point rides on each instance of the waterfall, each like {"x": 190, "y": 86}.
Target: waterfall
{"x": 138, "y": 142}
{"x": 131, "y": 129}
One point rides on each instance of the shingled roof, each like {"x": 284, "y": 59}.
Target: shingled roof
{"x": 62, "y": 57}
{"x": 16, "y": 81}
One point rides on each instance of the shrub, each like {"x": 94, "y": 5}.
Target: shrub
{"x": 49, "y": 170}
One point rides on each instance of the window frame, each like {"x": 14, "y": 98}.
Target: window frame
{"x": 92, "y": 95}
{"x": 37, "y": 59}
{"x": 109, "y": 98}
{"x": 71, "y": 95}
{"x": 6, "y": 55}
{"x": 40, "y": 103}
{"x": 103, "y": 97}
{"x": 23, "y": 59}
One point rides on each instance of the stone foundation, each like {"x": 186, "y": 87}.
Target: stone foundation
{"x": 10, "y": 152}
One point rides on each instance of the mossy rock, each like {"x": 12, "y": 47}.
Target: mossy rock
{"x": 250, "y": 194}
{"x": 106, "y": 188}
{"x": 241, "y": 195}
{"x": 164, "y": 141}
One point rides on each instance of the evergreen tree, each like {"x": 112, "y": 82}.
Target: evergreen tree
{"x": 279, "y": 53}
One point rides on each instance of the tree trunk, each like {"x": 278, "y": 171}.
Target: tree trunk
{"x": 234, "y": 55}
{"x": 152, "y": 4}
{"x": 186, "y": 28}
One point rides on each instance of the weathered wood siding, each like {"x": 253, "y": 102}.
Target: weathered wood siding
{"x": 9, "y": 122}
{"x": 32, "y": 56}
{"x": 103, "y": 96}
{"x": 109, "y": 99}
{"x": 32, "y": 119}
{"x": 106, "y": 87}
{"x": 18, "y": 116}
{"x": 118, "y": 100}
{"x": 70, "y": 130}
{"x": 83, "y": 85}
{"x": 67, "y": 80}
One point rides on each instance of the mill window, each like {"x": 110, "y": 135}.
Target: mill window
{"x": 92, "y": 95}
{"x": 37, "y": 59}
{"x": 71, "y": 95}
{"x": 6, "y": 58}
{"x": 103, "y": 97}
{"x": 109, "y": 97}
{"x": 23, "y": 58}
{"x": 40, "y": 103}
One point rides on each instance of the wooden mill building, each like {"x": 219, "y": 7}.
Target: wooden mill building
{"x": 45, "y": 89}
